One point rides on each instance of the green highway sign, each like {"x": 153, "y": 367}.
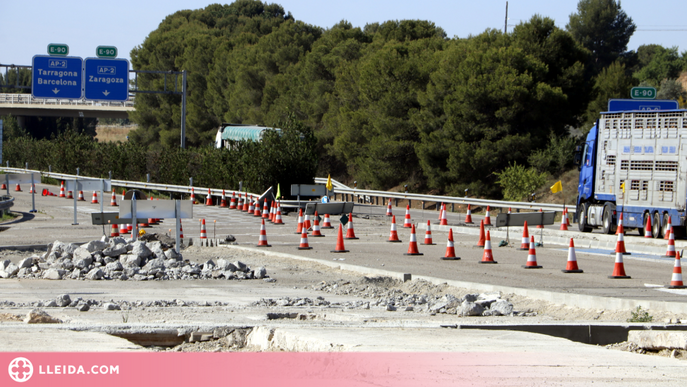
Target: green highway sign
{"x": 643, "y": 93}
{"x": 106, "y": 52}
{"x": 58, "y": 49}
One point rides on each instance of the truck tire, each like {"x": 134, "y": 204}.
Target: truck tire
{"x": 656, "y": 226}
{"x": 664, "y": 224}
{"x": 582, "y": 217}
{"x": 609, "y": 227}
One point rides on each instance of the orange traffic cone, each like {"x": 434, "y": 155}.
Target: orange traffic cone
{"x": 69, "y": 195}
{"x": 17, "y": 188}
{"x": 232, "y": 202}
{"x": 123, "y": 229}
{"x": 223, "y": 200}
{"x": 62, "y": 195}
{"x": 273, "y": 210}
{"x": 339, "y": 243}
{"x": 481, "y": 241}
{"x": 239, "y": 205}
{"x": 208, "y": 199}
{"x": 123, "y": 194}
{"x": 304, "y": 241}
{"x": 412, "y": 246}
{"x": 393, "y": 235}
{"x": 406, "y": 221}
{"x": 647, "y": 228}
{"x": 181, "y": 230}
{"x": 388, "y": 209}
{"x": 193, "y": 196}
{"x": 81, "y": 198}
{"x": 113, "y": 199}
{"x": 676, "y": 280}
{"x": 564, "y": 220}
{"x": 487, "y": 217}
{"x": 540, "y": 225}
{"x": 4, "y": 186}
{"x": 468, "y": 216}
{"x": 671, "y": 244}
{"x": 488, "y": 256}
{"x": 532, "y": 257}
{"x": 326, "y": 223}
{"x": 251, "y": 208}
{"x": 428, "y": 236}
{"x": 277, "y": 215}
{"x": 257, "y": 213}
{"x": 669, "y": 227}
{"x": 525, "y": 245}
{"x": 262, "y": 240}
{"x": 114, "y": 232}
{"x": 441, "y": 211}
{"x": 621, "y": 237}
{"x": 306, "y": 222}
{"x": 350, "y": 232}
{"x": 203, "y": 231}
{"x": 299, "y": 226}
{"x": 246, "y": 204}
{"x": 265, "y": 210}
{"x": 316, "y": 226}
{"x": 450, "y": 249}
{"x": 94, "y": 198}
{"x": 443, "y": 221}
{"x": 619, "y": 267}
{"x": 32, "y": 188}
{"x": 129, "y": 228}
{"x": 571, "y": 267}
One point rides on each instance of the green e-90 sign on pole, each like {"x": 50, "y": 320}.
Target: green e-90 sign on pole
{"x": 106, "y": 52}
{"x": 643, "y": 93}
{"x": 58, "y": 49}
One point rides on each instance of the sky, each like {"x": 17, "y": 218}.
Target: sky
{"x": 28, "y": 26}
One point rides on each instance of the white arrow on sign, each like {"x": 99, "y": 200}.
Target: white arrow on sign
{"x": 56, "y": 90}
{"x": 106, "y": 93}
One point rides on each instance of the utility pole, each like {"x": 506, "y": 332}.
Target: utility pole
{"x": 505, "y": 25}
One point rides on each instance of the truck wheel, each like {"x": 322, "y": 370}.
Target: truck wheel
{"x": 582, "y": 217}
{"x": 664, "y": 224}
{"x": 656, "y": 226}
{"x": 609, "y": 227}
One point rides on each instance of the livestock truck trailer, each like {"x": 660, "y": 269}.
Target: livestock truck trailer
{"x": 634, "y": 162}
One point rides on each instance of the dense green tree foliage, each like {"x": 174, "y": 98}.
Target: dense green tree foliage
{"x": 603, "y": 28}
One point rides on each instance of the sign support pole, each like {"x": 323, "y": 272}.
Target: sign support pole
{"x": 177, "y": 214}
{"x": 134, "y": 230}
{"x": 33, "y": 195}
{"x": 102, "y": 191}
{"x": 74, "y": 195}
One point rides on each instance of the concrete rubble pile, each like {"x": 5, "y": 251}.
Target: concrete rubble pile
{"x": 123, "y": 259}
{"x": 83, "y": 305}
{"x": 384, "y": 295}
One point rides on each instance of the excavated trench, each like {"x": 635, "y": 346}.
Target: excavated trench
{"x": 599, "y": 334}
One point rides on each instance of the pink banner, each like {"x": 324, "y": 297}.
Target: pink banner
{"x": 258, "y": 369}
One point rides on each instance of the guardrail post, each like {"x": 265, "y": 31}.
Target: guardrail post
{"x": 410, "y": 203}
{"x": 395, "y": 202}
{"x": 452, "y": 207}
{"x": 423, "y": 204}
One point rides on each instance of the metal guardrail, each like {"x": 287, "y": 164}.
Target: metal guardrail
{"x": 341, "y": 188}
{"x": 6, "y": 202}
{"x": 28, "y": 99}
{"x": 338, "y": 188}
